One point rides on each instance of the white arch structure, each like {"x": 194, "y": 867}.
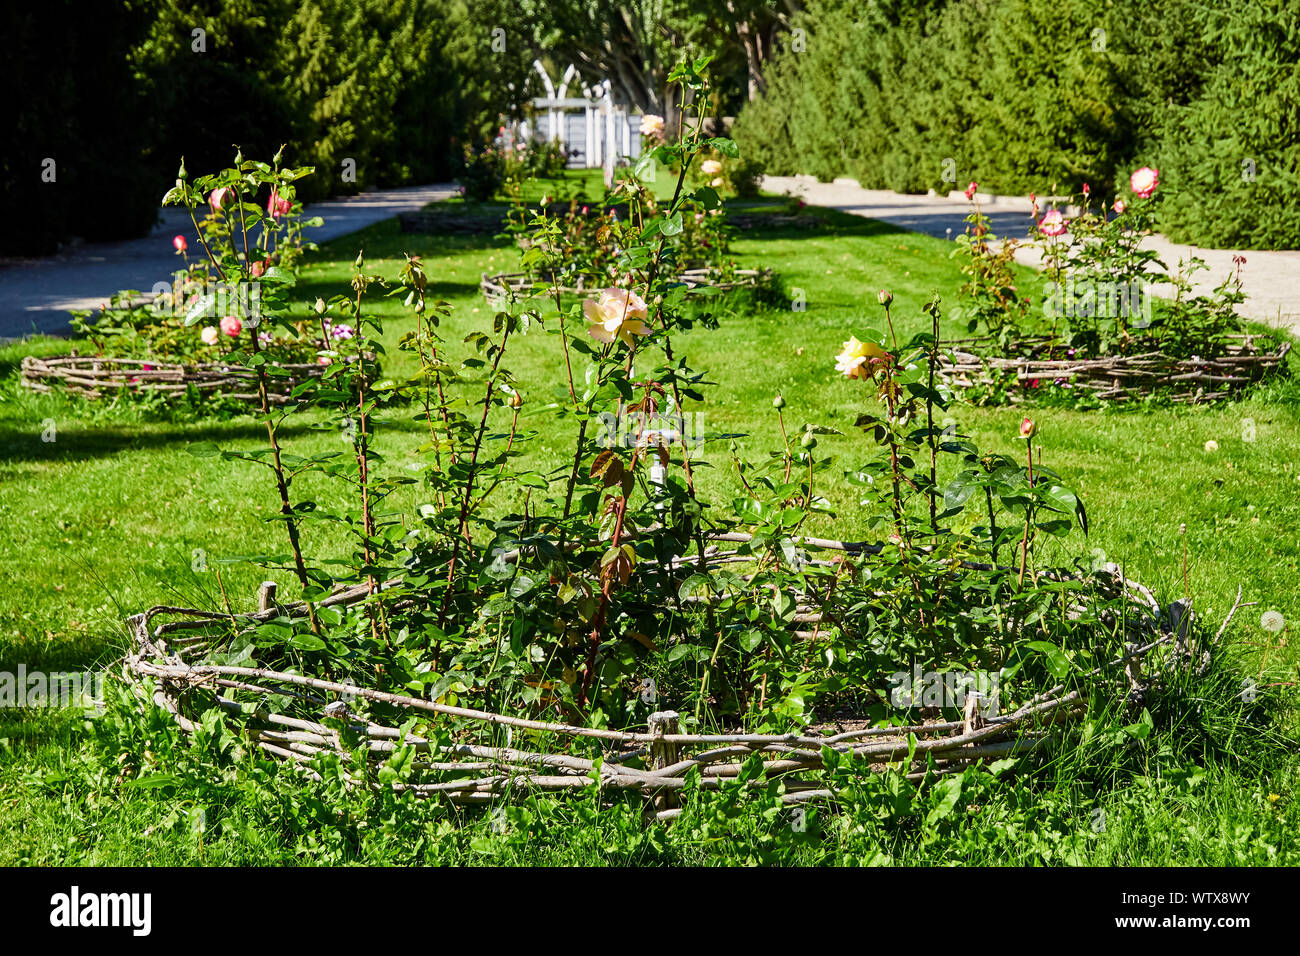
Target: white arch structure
{"x": 607, "y": 131}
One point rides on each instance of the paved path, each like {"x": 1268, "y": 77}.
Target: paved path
{"x": 36, "y": 294}
{"x": 1271, "y": 280}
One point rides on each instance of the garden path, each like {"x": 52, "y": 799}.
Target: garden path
{"x": 1271, "y": 280}
{"x": 36, "y": 294}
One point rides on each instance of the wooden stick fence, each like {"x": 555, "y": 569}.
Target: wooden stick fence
{"x": 469, "y": 763}
{"x": 1248, "y": 359}
{"x": 509, "y": 286}
{"x": 94, "y": 377}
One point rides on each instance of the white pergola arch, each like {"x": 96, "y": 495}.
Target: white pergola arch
{"x": 604, "y": 136}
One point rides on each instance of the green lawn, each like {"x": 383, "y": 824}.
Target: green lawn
{"x": 111, "y": 516}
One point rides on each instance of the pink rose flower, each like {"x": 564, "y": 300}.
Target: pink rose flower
{"x": 1144, "y": 181}
{"x": 1053, "y": 223}
{"x": 180, "y": 245}
{"x": 971, "y": 190}
{"x": 1120, "y": 206}
{"x": 231, "y": 326}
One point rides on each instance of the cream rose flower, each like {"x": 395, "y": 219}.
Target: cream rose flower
{"x": 652, "y": 125}
{"x": 854, "y": 361}
{"x": 617, "y": 314}
{"x": 710, "y": 167}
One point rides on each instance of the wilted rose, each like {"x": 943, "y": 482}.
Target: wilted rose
{"x": 971, "y": 190}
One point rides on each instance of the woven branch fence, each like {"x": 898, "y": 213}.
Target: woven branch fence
{"x": 469, "y": 764}
{"x": 93, "y": 377}
{"x": 1248, "y": 359}
{"x": 509, "y": 286}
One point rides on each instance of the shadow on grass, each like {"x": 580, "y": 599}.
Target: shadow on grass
{"x": 86, "y": 441}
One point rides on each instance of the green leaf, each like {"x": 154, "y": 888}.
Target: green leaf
{"x": 1057, "y": 662}
{"x": 307, "y": 642}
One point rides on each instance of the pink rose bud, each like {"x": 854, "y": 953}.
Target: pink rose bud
{"x": 231, "y": 326}
{"x": 257, "y": 269}
{"x": 1086, "y": 190}
{"x": 218, "y": 198}
{"x": 884, "y": 297}
{"x": 180, "y": 245}
{"x": 1028, "y": 429}
{"x": 276, "y": 206}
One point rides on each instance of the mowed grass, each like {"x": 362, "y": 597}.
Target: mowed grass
{"x": 114, "y": 515}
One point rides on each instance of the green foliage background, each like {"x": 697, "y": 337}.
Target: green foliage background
{"x": 1024, "y": 95}
{"x": 117, "y": 94}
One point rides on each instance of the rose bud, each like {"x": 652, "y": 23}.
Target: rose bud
{"x": 885, "y": 297}
{"x": 1028, "y": 429}
{"x": 180, "y": 245}
{"x": 218, "y": 198}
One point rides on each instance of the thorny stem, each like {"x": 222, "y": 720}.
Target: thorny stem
{"x": 282, "y": 485}
{"x": 1029, "y": 514}
{"x": 277, "y": 464}
{"x": 929, "y": 418}
{"x": 467, "y": 495}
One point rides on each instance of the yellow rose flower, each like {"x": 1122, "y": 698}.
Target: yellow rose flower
{"x": 855, "y": 360}
{"x": 617, "y": 314}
